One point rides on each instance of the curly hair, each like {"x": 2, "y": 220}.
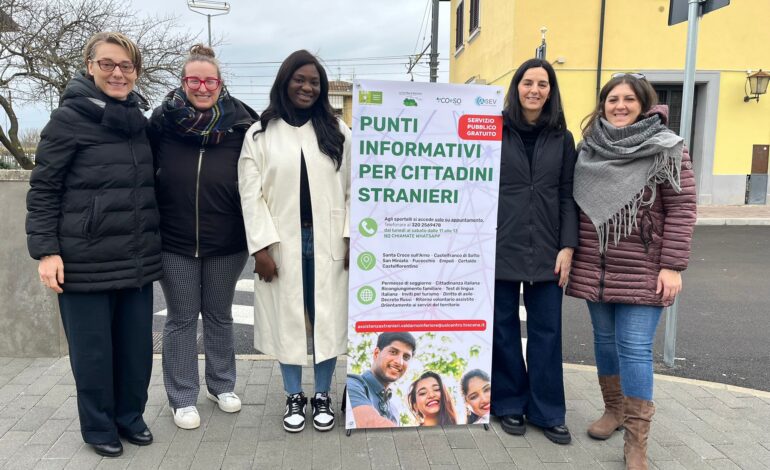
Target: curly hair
{"x": 446, "y": 412}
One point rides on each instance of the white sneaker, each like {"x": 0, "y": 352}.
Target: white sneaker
{"x": 323, "y": 415}
{"x": 294, "y": 416}
{"x": 227, "y": 402}
{"x": 187, "y": 417}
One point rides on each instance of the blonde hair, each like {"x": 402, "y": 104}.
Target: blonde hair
{"x": 89, "y": 52}
{"x": 201, "y": 53}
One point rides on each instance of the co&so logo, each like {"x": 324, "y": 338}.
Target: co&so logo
{"x": 449, "y": 100}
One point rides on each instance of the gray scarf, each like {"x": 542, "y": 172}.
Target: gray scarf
{"x": 614, "y": 167}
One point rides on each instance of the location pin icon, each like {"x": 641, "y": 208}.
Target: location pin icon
{"x": 366, "y": 261}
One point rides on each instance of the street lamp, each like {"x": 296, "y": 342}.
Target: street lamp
{"x": 757, "y": 85}
{"x": 222, "y": 7}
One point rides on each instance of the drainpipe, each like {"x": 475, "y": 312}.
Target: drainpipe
{"x": 601, "y": 50}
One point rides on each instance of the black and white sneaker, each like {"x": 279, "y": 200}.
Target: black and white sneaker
{"x": 323, "y": 415}
{"x": 294, "y": 416}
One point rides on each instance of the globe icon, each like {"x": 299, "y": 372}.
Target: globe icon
{"x": 366, "y": 295}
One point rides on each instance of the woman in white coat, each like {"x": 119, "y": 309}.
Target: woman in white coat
{"x": 294, "y": 180}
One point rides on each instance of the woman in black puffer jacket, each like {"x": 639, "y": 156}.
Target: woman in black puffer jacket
{"x": 93, "y": 223}
{"x": 536, "y": 235}
{"x": 197, "y": 134}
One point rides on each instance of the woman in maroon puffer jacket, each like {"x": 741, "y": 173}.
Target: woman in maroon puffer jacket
{"x": 636, "y": 190}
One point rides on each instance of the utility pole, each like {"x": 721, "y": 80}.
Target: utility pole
{"x": 434, "y": 43}
{"x": 416, "y": 60}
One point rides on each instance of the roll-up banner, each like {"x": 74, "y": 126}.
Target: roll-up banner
{"x": 425, "y": 179}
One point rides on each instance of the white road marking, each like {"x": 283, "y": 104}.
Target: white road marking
{"x": 245, "y": 285}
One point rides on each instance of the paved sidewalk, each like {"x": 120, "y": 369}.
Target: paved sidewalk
{"x": 734, "y": 215}
{"x": 698, "y": 425}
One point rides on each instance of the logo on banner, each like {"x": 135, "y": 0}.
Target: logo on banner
{"x": 486, "y": 101}
{"x": 370, "y": 97}
{"x": 449, "y": 100}
{"x": 410, "y": 102}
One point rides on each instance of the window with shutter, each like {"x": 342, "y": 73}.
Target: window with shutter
{"x": 474, "y": 23}
{"x": 459, "y": 27}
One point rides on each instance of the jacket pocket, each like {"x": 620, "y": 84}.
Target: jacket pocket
{"x": 89, "y": 225}
{"x": 274, "y": 250}
{"x": 337, "y": 225}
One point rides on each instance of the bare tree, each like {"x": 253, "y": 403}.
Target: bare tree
{"x": 41, "y": 55}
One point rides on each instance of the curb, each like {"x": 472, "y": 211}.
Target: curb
{"x": 682, "y": 380}
{"x": 732, "y": 221}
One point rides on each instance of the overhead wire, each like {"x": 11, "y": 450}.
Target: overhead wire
{"x": 422, "y": 25}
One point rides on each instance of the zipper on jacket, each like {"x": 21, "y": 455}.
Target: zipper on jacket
{"x": 197, "y": 203}
{"x": 137, "y": 227}
{"x": 538, "y": 143}
{"x": 603, "y": 266}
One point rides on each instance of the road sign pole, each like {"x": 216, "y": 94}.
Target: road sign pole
{"x": 688, "y": 93}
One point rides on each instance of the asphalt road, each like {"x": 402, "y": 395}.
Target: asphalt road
{"x": 723, "y": 332}
{"x": 724, "y": 314}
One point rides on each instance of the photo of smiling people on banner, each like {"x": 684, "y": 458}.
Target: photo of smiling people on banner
{"x": 404, "y": 379}
{"x": 425, "y": 161}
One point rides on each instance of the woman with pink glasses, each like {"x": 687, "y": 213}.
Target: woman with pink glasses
{"x": 196, "y": 136}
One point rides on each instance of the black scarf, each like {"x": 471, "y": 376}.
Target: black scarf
{"x": 124, "y": 116}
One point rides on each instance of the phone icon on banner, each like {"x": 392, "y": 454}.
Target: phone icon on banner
{"x": 367, "y": 227}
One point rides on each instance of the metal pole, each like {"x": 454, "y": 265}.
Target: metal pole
{"x": 434, "y": 43}
{"x": 688, "y": 92}
{"x": 601, "y": 50}
{"x": 541, "y": 49}
{"x": 195, "y": 5}
{"x": 688, "y": 88}
{"x": 209, "y": 24}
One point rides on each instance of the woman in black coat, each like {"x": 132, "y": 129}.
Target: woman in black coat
{"x": 536, "y": 235}
{"x": 197, "y": 134}
{"x": 93, "y": 223}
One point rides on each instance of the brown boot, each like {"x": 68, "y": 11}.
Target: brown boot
{"x": 637, "y": 423}
{"x": 612, "y": 419}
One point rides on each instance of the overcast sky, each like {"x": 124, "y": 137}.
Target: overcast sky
{"x": 257, "y": 31}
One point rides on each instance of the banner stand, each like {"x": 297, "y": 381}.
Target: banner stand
{"x": 425, "y": 165}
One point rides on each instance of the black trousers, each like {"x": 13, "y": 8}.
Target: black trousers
{"x": 537, "y": 388}
{"x": 110, "y": 341}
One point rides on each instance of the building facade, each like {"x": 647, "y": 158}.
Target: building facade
{"x": 341, "y": 99}
{"x": 730, "y": 137}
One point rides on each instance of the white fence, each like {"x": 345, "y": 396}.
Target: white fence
{"x": 7, "y": 161}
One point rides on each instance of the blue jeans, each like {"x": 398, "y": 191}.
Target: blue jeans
{"x": 623, "y": 338}
{"x": 323, "y": 371}
{"x": 535, "y": 389}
